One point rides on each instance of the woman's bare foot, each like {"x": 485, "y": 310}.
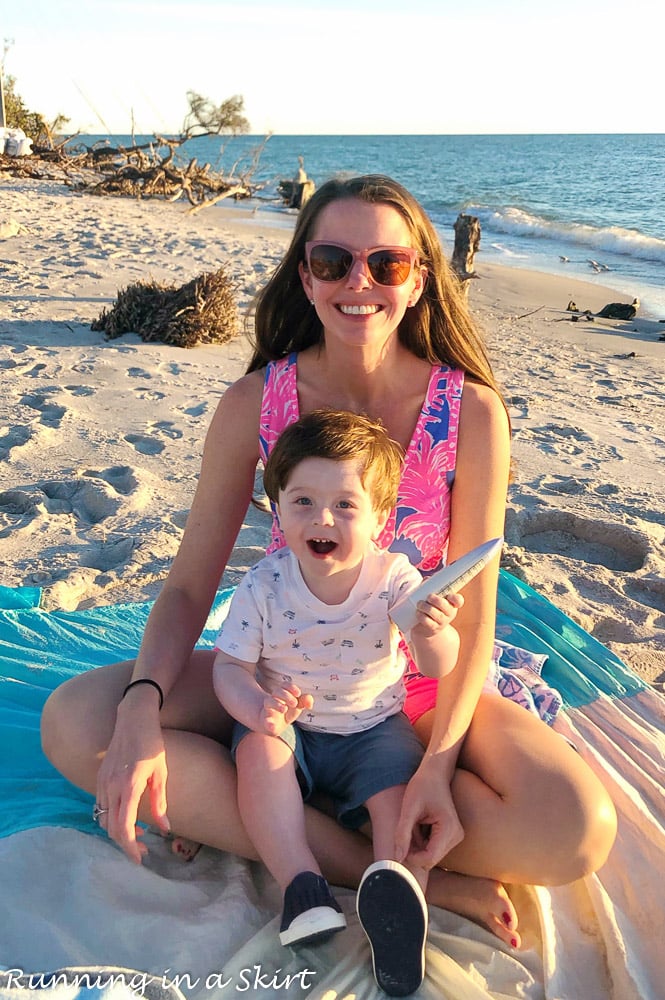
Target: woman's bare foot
{"x": 185, "y": 849}
{"x": 482, "y": 900}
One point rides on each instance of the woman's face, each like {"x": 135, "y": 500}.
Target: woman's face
{"x": 358, "y": 309}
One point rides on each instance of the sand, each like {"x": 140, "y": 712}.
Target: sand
{"x": 101, "y": 441}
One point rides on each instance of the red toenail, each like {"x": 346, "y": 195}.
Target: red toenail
{"x": 506, "y": 919}
{"x": 513, "y": 942}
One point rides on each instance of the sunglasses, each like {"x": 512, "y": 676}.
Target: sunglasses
{"x": 386, "y": 265}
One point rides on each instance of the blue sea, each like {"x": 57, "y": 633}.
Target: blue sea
{"x": 538, "y": 197}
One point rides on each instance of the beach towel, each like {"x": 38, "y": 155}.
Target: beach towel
{"x": 80, "y": 921}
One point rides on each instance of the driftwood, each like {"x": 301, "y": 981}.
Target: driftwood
{"x": 130, "y": 173}
{"x": 467, "y": 242}
{"x": 149, "y": 172}
{"x": 295, "y": 194}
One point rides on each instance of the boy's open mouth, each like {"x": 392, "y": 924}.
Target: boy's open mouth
{"x": 321, "y": 546}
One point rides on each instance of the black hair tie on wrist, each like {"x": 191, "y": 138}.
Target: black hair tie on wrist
{"x": 146, "y": 680}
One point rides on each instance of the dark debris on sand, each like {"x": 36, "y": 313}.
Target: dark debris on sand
{"x": 202, "y": 311}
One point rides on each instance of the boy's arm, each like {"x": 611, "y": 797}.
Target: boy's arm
{"x": 243, "y": 697}
{"x": 238, "y": 690}
{"x": 433, "y": 640}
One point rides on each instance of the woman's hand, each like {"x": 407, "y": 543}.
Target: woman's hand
{"x": 135, "y": 761}
{"x": 428, "y": 826}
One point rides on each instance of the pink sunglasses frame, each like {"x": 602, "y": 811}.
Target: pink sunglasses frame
{"x": 360, "y": 255}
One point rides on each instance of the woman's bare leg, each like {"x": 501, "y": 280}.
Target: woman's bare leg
{"x": 77, "y": 724}
{"x": 532, "y": 813}
{"x": 531, "y": 809}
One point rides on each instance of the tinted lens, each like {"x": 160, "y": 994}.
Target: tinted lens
{"x": 329, "y": 263}
{"x": 389, "y": 267}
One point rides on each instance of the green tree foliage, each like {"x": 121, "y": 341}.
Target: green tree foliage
{"x": 33, "y": 124}
{"x": 205, "y": 117}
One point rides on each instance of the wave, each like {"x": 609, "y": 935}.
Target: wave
{"x": 612, "y": 239}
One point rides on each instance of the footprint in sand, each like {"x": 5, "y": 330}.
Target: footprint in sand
{"x": 80, "y": 390}
{"x": 109, "y": 554}
{"x": 607, "y": 489}
{"x": 179, "y": 518}
{"x": 196, "y": 411}
{"x": 561, "y": 440}
{"x": 152, "y": 395}
{"x": 20, "y": 502}
{"x": 649, "y": 591}
{"x": 13, "y": 437}
{"x": 145, "y": 444}
{"x": 90, "y": 502}
{"x": 519, "y": 404}
{"x": 138, "y": 373}
{"x": 567, "y": 485}
{"x": 37, "y": 371}
{"x": 51, "y": 413}
{"x": 564, "y": 533}
{"x": 168, "y": 429}
{"x": 120, "y": 477}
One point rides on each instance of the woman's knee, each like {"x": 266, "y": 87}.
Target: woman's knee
{"x": 546, "y": 798}
{"x": 578, "y": 820}
{"x": 79, "y": 715}
{"x": 596, "y": 828}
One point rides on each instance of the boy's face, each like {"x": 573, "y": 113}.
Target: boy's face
{"x": 327, "y": 516}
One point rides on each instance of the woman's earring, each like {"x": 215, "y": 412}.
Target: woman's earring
{"x": 311, "y": 302}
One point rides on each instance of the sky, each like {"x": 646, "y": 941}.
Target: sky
{"x": 342, "y": 66}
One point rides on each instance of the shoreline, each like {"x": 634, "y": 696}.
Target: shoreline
{"x": 100, "y": 441}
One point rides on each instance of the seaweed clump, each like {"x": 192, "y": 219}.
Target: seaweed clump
{"x": 202, "y": 311}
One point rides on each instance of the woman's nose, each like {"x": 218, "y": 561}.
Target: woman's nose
{"x": 358, "y": 276}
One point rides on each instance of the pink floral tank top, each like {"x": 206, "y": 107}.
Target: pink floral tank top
{"x": 419, "y": 525}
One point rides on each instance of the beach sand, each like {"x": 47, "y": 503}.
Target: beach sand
{"x": 101, "y": 441}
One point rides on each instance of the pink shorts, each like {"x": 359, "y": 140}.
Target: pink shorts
{"x": 420, "y": 695}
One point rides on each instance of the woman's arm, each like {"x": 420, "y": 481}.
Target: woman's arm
{"x": 477, "y": 514}
{"x": 223, "y": 492}
{"x": 135, "y": 757}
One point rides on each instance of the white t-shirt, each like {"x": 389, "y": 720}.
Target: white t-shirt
{"x": 347, "y": 656}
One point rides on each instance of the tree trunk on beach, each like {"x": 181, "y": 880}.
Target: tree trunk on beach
{"x": 467, "y": 241}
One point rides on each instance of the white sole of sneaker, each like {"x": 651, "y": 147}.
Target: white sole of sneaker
{"x": 313, "y": 925}
{"x": 393, "y": 913}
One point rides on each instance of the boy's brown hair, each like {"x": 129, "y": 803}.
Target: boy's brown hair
{"x": 340, "y": 436}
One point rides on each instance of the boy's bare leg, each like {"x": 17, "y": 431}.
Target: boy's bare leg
{"x": 271, "y": 807}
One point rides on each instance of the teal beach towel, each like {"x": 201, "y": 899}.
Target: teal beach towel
{"x": 615, "y": 720}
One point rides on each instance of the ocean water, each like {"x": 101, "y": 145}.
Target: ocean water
{"x": 538, "y": 197}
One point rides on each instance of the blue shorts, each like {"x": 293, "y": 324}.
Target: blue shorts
{"x": 351, "y": 767}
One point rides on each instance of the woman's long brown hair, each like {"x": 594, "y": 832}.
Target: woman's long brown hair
{"x": 439, "y": 328}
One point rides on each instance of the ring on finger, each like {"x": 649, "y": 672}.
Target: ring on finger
{"x": 97, "y": 811}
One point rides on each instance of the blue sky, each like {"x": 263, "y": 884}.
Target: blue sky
{"x": 343, "y": 67}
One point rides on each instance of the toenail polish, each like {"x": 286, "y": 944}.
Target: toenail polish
{"x": 506, "y": 919}
{"x": 513, "y": 942}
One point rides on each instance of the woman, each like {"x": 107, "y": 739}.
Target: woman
{"x": 362, "y": 314}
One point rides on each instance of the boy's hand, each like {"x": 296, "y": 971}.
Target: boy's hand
{"x": 282, "y": 707}
{"x": 436, "y": 613}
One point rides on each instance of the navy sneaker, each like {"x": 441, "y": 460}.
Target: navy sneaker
{"x": 311, "y": 912}
{"x": 393, "y": 913}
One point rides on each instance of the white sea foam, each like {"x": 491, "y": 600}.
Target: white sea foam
{"x": 517, "y": 222}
